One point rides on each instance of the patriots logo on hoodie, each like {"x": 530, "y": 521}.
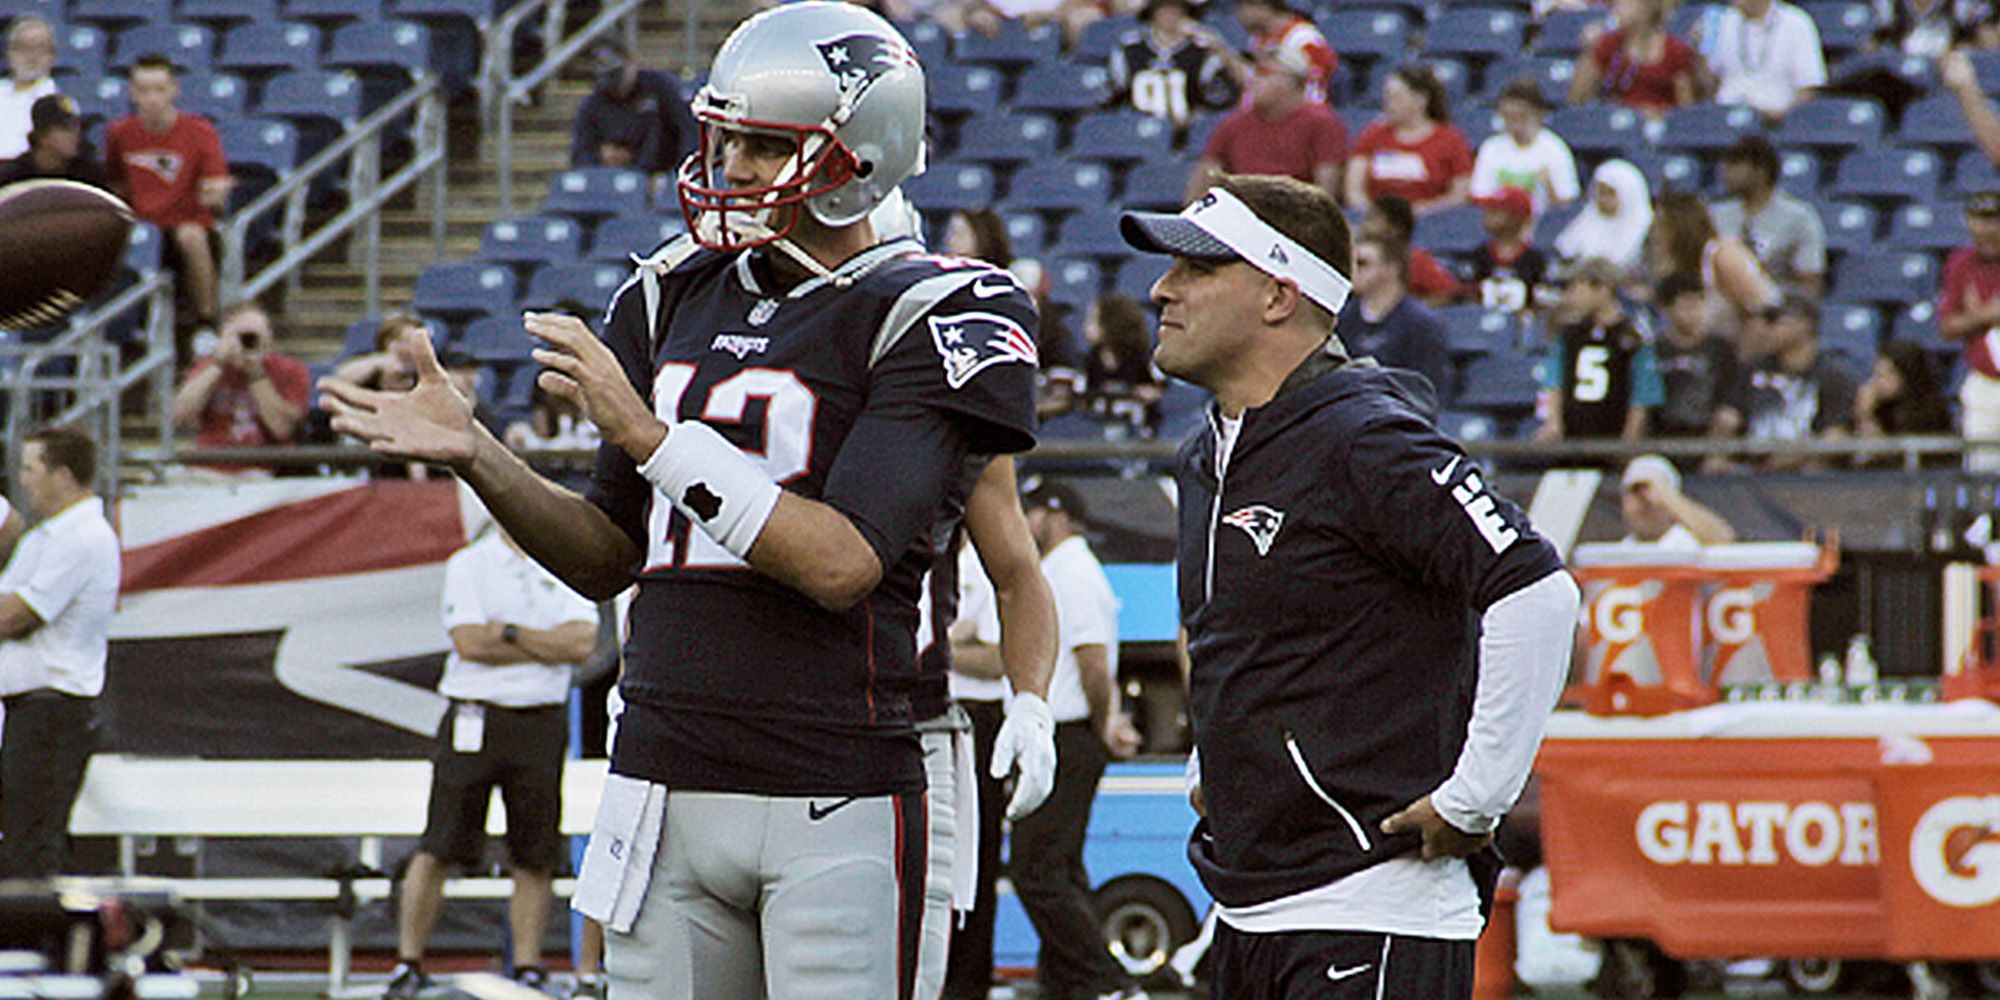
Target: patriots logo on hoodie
{"x": 1260, "y": 522}
{"x": 859, "y": 60}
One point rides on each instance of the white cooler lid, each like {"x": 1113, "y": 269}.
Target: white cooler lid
{"x": 1591, "y": 554}
{"x": 1761, "y": 555}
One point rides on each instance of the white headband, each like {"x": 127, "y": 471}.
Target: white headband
{"x": 1225, "y": 217}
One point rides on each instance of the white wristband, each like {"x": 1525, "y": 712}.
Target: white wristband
{"x": 706, "y": 478}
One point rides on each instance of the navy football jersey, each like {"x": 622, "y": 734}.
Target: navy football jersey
{"x": 939, "y": 606}
{"x": 865, "y": 391}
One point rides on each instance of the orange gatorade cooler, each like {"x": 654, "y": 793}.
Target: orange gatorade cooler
{"x": 1641, "y": 630}
{"x": 1755, "y": 611}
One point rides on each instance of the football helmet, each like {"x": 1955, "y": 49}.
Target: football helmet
{"x": 837, "y": 82}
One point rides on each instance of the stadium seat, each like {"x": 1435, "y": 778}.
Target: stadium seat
{"x": 1563, "y": 31}
{"x": 1101, "y": 36}
{"x": 114, "y": 14}
{"x": 1853, "y": 330}
{"x": 1006, "y": 138}
{"x": 1974, "y": 173}
{"x": 1478, "y": 120}
{"x": 1833, "y": 125}
{"x": 532, "y": 240}
{"x": 499, "y": 341}
{"x": 587, "y": 285}
{"x": 1060, "y": 186}
{"x": 1885, "y": 278}
{"x": 1937, "y": 122}
{"x": 1203, "y": 124}
{"x": 1798, "y": 173}
{"x": 360, "y": 337}
{"x": 321, "y": 103}
{"x": 1027, "y": 233}
{"x": 1356, "y": 118}
{"x": 51, "y": 11}
{"x": 951, "y": 187}
{"x": 1415, "y": 11}
{"x": 1843, "y": 26}
{"x": 217, "y": 13}
{"x": 143, "y": 248}
{"x": 464, "y": 290}
{"x": 1478, "y": 34}
{"x": 1074, "y": 282}
{"x": 929, "y": 40}
{"x": 270, "y": 47}
{"x": 381, "y": 46}
{"x": 1918, "y": 324}
{"x": 81, "y": 49}
{"x": 1851, "y": 226}
{"x": 475, "y": 13}
{"x": 331, "y": 11}
{"x": 1451, "y": 72}
{"x": 1062, "y": 88}
{"x": 1367, "y": 35}
{"x": 1887, "y": 175}
{"x": 1599, "y": 131}
{"x": 617, "y": 239}
{"x": 259, "y": 144}
{"x": 1932, "y": 228}
{"x": 1702, "y": 128}
{"x": 100, "y": 98}
{"x": 1669, "y": 169}
{"x": 1682, "y": 19}
{"x": 1554, "y": 220}
{"x": 191, "y": 47}
{"x": 1157, "y": 185}
{"x": 1501, "y": 384}
{"x": 1461, "y": 426}
{"x": 1135, "y": 277}
{"x": 1476, "y": 331}
{"x": 1122, "y": 137}
{"x": 1015, "y": 45}
{"x": 963, "y": 90}
{"x": 217, "y": 97}
{"x": 1551, "y": 73}
{"x": 592, "y": 192}
{"x": 1183, "y": 409}
{"x": 1092, "y": 234}
{"x": 1225, "y": 24}
{"x": 1454, "y": 230}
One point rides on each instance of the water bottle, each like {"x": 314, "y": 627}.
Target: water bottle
{"x": 1829, "y": 670}
{"x": 1860, "y": 663}
{"x": 1936, "y": 527}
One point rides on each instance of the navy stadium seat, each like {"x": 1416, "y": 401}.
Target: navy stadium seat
{"x": 191, "y": 47}
{"x": 1700, "y": 128}
{"x": 1851, "y": 226}
{"x": 1843, "y": 26}
{"x": 1931, "y": 227}
{"x": 1833, "y": 124}
{"x": 1502, "y": 383}
{"x": 950, "y": 187}
{"x": 597, "y": 191}
{"x": 1157, "y": 185}
{"x": 618, "y": 238}
{"x": 1919, "y": 71}
{"x": 1798, "y": 173}
{"x": 332, "y": 11}
{"x": 1476, "y": 331}
{"x": 1563, "y": 31}
{"x": 1101, "y": 36}
{"x": 143, "y": 248}
{"x": 1887, "y": 175}
{"x": 226, "y": 12}
{"x": 50, "y": 11}
{"x": 1478, "y": 120}
{"x": 217, "y": 97}
{"x": 1918, "y": 324}
{"x": 1027, "y": 233}
{"x": 1060, "y": 186}
{"x": 1062, "y": 88}
{"x": 1885, "y": 277}
{"x": 1669, "y": 169}
{"x": 1462, "y": 426}
{"x": 1006, "y": 138}
{"x": 1202, "y": 125}
{"x": 1014, "y": 45}
{"x": 1451, "y": 73}
{"x": 460, "y": 290}
{"x": 929, "y": 40}
{"x": 1074, "y": 282}
{"x": 1556, "y": 218}
{"x": 496, "y": 340}
{"x": 1092, "y": 234}
{"x": 99, "y": 98}
{"x": 264, "y": 144}
{"x": 1935, "y": 121}
{"x": 81, "y": 48}
{"x": 1852, "y": 330}
{"x": 1598, "y": 131}
{"x": 1683, "y": 18}
{"x": 1183, "y": 409}
{"x": 1367, "y": 35}
{"x": 1475, "y": 33}
{"x": 1135, "y": 277}
{"x": 1551, "y": 73}
{"x": 381, "y": 46}
{"x": 113, "y": 14}
{"x": 963, "y": 90}
{"x": 474, "y": 13}
{"x": 1224, "y": 23}
{"x": 1454, "y": 230}
{"x": 533, "y": 240}
{"x": 321, "y": 103}
{"x": 1974, "y": 173}
{"x": 260, "y": 47}
{"x": 360, "y": 337}
{"x": 1122, "y": 137}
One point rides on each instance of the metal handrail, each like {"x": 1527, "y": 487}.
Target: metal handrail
{"x": 510, "y": 90}
{"x": 361, "y": 146}
{"x": 496, "y": 57}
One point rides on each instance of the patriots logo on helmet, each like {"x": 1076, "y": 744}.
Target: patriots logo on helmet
{"x": 972, "y": 342}
{"x": 1260, "y": 522}
{"x": 859, "y": 60}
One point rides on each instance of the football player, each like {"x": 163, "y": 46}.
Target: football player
{"x": 785, "y": 401}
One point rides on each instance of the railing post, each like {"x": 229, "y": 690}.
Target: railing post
{"x": 295, "y": 230}
{"x": 370, "y": 155}
{"x": 436, "y": 137}
{"x": 160, "y": 345}
{"x": 506, "y": 151}
{"x": 230, "y": 286}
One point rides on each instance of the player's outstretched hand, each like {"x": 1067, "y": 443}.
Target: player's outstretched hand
{"x": 1441, "y": 839}
{"x": 430, "y": 423}
{"x": 1027, "y": 739}
{"x": 585, "y": 372}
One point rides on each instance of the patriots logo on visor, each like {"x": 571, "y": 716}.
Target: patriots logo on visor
{"x": 1260, "y": 522}
{"x": 859, "y": 60}
{"x": 972, "y": 342}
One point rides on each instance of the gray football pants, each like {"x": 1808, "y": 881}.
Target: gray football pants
{"x": 756, "y": 897}
{"x": 941, "y": 774}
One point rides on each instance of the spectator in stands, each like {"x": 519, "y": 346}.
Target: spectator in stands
{"x": 1697, "y": 368}
{"x": 1968, "y": 307}
{"x": 56, "y": 598}
{"x": 1784, "y": 232}
{"x": 1956, "y": 73}
{"x": 1524, "y": 154}
{"x": 31, "y": 54}
{"x": 1600, "y": 376}
{"x": 979, "y": 234}
{"x": 1277, "y": 131}
{"x": 168, "y": 164}
{"x": 1615, "y": 223}
{"x": 1382, "y": 321}
{"x": 1425, "y": 278}
{"x": 986, "y": 16}
{"x": 55, "y": 148}
{"x": 1639, "y": 64}
{"x": 392, "y": 366}
{"x": 634, "y": 118}
{"x": 1174, "y": 65}
{"x": 1684, "y": 241}
{"x": 1932, "y": 28}
{"x": 1901, "y": 396}
{"x": 1414, "y": 151}
{"x": 1508, "y": 270}
{"x": 1118, "y": 378}
{"x": 1275, "y": 27}
{"x": 1766, "y": 54}
{"x": 1658, "y": 513}
{"x": 245, "y": 394}
{"x": 553, "y": 422}
{"x": 1795, "y": 393}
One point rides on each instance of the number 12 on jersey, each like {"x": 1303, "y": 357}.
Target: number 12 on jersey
{"x": 786, "y": 453}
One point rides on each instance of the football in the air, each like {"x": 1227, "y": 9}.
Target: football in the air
{"x": 61, "y": 243}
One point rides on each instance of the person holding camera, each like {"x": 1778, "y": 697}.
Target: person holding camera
{"x": 244, "y": 394}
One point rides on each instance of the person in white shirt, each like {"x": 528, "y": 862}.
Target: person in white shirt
{"x": 1045, "y": 857}
{"x": 516, "y": 634}
{"x": 31, "y": 54}
{"x": 56, "y": 598}
{"x": 1525, "y": 154}
{"x": 1657, "y": 513}
{"x": 12, "y": 527}
{"x": 1766, "y": 54}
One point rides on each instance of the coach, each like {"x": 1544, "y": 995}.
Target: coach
{"x": 1376, "y": 638}
{"x": 56, "y": 598}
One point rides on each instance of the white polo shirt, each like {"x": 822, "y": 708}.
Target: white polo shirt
{"x": 488, "y": 582}
{"x": 66, "y": 569}
{"x": 1766, "y": 62}
{"x": 1086, "y": 614}
{"x": 15, "y": 105}
{"x": 978, "y": 604}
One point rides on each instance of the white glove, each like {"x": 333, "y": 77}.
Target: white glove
{"x": 1027, "y": 739}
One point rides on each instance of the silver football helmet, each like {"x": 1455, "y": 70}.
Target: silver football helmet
{"x": 835, "y": 80}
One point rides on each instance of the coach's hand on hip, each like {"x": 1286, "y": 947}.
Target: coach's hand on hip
{"x": 1441, "y": 839}
{"x": 585, "y": 372}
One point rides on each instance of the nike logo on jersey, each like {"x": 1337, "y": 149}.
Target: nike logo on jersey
{"x": 817, "y": 812}
{"x": 1336, "y": 973}
{"x": 1261, "y": 523}
{"x": 970, "y": 343}
{"x": 1443, "y": 476}
{"x": 984, "y": 290}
